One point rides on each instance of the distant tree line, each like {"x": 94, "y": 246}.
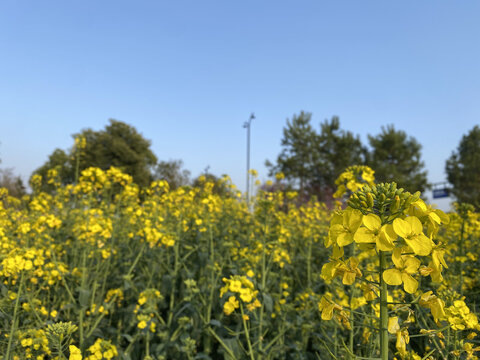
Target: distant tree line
{"x": 310, "y": 159}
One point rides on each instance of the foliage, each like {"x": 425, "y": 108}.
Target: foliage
{"x": 385, "y": 241}
{"x": 171, "y": 171}
{"x": 313, "y": 160}
{"x": 463, "y": 168}
{"x": 220, "y": 185}
{"x": 102, "y": 269}
{"x": 118, "y": 145}
{"x": 397, "y": 157}
{"x": 12, "y": 182}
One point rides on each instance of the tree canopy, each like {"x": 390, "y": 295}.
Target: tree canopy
{"x": 119, "y": 145}
{"x": 172, "y": 172}
{"x": 312, "y": 160}
{"x": 13, "y": 183}
{"x": 397, "y": 157}
{"x": 463, "y": 169}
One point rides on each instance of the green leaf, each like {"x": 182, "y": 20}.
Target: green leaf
{"x": 267, "y": 302}
{"x": 215, "y": 323}
{"x": 84, "y": 297}
{"x": 234, "y": 347}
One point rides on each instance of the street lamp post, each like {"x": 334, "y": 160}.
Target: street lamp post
{"x": 247, "y": 126}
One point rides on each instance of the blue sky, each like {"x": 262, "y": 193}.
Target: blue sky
{"x": 187, "y": 74}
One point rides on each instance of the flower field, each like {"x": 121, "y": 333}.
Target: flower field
{"x": 103, "y": 270}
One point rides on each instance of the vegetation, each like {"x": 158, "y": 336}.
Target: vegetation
{"x": 397, "y": 157}
{"x": 172, "y": 172}
{"x": 190, "y": 274}
{"x": 118, "y": 145}
{"x": 96, "y": 263}
{"x": 463, "y": 169}
{"x": 13, "y": 183}
{"x": 311, "y": 160}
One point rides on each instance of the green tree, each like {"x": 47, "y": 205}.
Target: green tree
{"x": 338, "y": 150}
{"x": 397, "y": 157}
{"x": 299, "y": 151}
{"x": 119, "y": 145}
{"x": 13, "y": 183}
{"x": 312, "y": 161}
{"x": 172, "y": 172}
{"x": 221, "y": 185}
{"x": 463, "y": 169}
{"x": 60, "y": 161}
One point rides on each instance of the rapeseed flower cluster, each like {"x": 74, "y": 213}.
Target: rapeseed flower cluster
{"x": 102, "y": 350}
{"x": 241, "y": 289}
{"x": 143, "y": 270}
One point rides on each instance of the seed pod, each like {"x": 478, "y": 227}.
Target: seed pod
{"x": 395, "y": 204}
{"x": 382, "y": 198}
{"x": 370, "y": 200}
{"x": 416, "y": 196}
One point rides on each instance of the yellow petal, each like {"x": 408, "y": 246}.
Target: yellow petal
{"x": 420, "y": 244}
{"x": 409, "y": 283}
{"x": 420, "y": 204}
{"x": 364, "y": 236}
{"x": 401, "y": 344}
{"x": 434, "y": 217}
{"x": 344, "y": 239}
{"x": 415, "y": 224}
{"x": 327, "y": 312}
{"x": 335, "y": 230}
{"x": 397, "y": 258}
{"x": 388, "y": 231}
{"x": 393, "y": 326}
{"x": 402, "y": 228}
{"x": 392, "y": 277}
{"x": 328, "y": 271}
{"x": 337, "y": 252}
{"x": 337, "y": 219}
{"x": 348, "y": 278}
{"x": 353, "y": 263}
{"x": 437, "y": 257}
{"x": 411, "y": 264}
{"x": 352, "y": 219}
{"x": 385, "y": 241}
{"x": 444, "y": 217}
{"x": 372, "y": 222}
{"x": 437, "y": 310}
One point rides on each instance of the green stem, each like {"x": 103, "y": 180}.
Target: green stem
{"x": 309, "y": 265}
{"x": 264, "y": 279}
{"x": 112, "y": 300}
{"x": 147, "y": 345}
{"x": 14, "y": 320}
{"x": 247, "y": 334}
{"x": 174, "y": 279}
{"x": 207, "y": 339}
{"x": 82, "y": 308}
{"x": 352, "y": 318}
{"x": 462, "y": 253}
{"x": 383, "y": 309}
{"x": 225, "y": 347}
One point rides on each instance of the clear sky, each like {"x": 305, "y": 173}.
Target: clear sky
{"x": 187, "y": 74}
